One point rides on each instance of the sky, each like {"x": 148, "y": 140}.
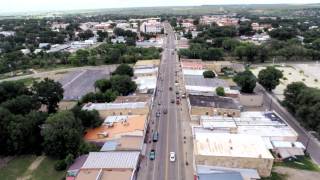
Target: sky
{"x": 46, "y": 5}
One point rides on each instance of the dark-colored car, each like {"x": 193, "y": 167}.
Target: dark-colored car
{"x": 155, "y": 136}
{"x": 152, "y": 155}
{"x": 165, "y": 111}
{"x": 170, "y": 88}
{"x": 172, "y": 101}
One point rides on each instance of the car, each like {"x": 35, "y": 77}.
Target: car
{"x": 170, "y": 88}
{"x": 172, "y": 101}
{"x": 172, "y": 156}
{"x": 158, "y": 114}
{"x": 165, "y": 111}
{"x": 177, "y": 92}
{"x": 152, "y": 155}
{"x": 159, "y": 103}
{"x": 177, "y": 102}
{"x": 155, "y": 136}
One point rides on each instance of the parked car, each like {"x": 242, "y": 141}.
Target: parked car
{"x": 155, "y": 136}
{"x": 172, "y": 156}
{"x": 170, "y": 88}
{"x": 172, "y": 101}
{"x": 152, "y": 155}
{"x": 158, "y": 114}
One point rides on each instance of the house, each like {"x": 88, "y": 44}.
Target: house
{"x": 232, "y": 151}
{"x": 112, "y": 109}
{"x": 146, "y": 84}
{"x": 74, "y": 169}
{"x": 110, "y": 166}
{"x": 119, "y": 39}
{"x": 151, "y": 26}
{"x": 213, "y": 105}
{"x": 116, "y": 127}
{"x": 7, "y": 33}
{"x": 142, "y": 72}
{"x": 25, "y": 51}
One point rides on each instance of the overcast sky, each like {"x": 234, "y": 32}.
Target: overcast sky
{"x": 44, "y": 5}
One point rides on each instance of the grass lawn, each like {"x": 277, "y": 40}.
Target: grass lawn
{"x": 46, "y": 171}
{"x": 304, "y": 163}
{"x": 275, "y": 176}
{"x": 28, "y": 81}
{"x": 16, "y": 167}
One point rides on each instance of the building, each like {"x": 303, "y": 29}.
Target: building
{"x": 7, "y": 33}
{"x": 58, "y": 48}
{"x": 133, "y": 98}
{"x": 151, "y": 26}
{"x": 124, "y": 143}
{"x": 213, "y": 105}
{"x": 224, "y": 173}
{"x": 74, "y": 169}
{"x": 56, "y": 26}
{"x": 113, "y": 109}
{"x": 267, "y": 125}
{"x": 143, "y": 72}
{"x": 220, "y": 20}
{"x": 251, "y": 100}
{"x": 116, "y": 127}
{"x": 146, "y": 84}
{"x": 193, "y": 72}
{"x": 147, "y": 63}
{"x": 119, "y": 39}
{"x": 109, "y": 166}
{"x": 232, "y": 151}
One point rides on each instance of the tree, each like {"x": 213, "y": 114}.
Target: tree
{"x": 209, "y": 74}
{"x": 86, "y": 34}
{"x": 212, "y": 54}
{"x": 123, "y": 84}
{"x": 89, "y": 119}
{"x": 291, "y": 93}
{"x": 230, "y": 44}
{"x": 283, "y": 33}
{"x": 22, "y": 104}
{"x": 123, "y": 69}
{"x": 12, "y": 89}
{"x": 103, "y": 85}
{"x": 49, "y": 93}
{"x": 62, "y": 134}
{"x": 269, "y": 78}
{"x": 102, "y": 35}
{"x": 220, "y": 91}
{"x": 246, "y": 80}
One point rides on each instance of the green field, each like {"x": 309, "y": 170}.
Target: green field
{"x": 303, "y": 163}
{"x": 18, "y": 167}
{"x": 275, "y": 176}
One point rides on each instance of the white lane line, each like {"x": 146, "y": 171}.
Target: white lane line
{"x": 75, "y": 78}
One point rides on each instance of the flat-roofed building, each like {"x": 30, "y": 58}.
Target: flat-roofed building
{"x": 142, "y": 72}
{"x": 109, "y": 166}
{"x": 134, "y": 98}
{"x": 147, "y": 63}
{"x": 134, "y": 125}
{"x": 112, "y": 109}
{"x": 233, "y": 151}
{"x": 146, "y": 84}
{"x": 213, "y": 105}
{"x": 124, "y": 143}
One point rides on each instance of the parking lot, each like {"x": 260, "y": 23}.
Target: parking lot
{"x": 80, "y": 82}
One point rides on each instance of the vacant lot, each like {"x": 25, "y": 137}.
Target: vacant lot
{"x": 293, "y": 73}
{"x": 30, "y": 167}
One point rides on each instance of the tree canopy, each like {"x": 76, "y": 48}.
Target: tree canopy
{"x": 269, "y": 78}
{"x": 246, "y": 80}
{"x": 209, "y": 74}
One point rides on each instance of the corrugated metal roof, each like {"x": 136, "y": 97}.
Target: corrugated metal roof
{"x": 109, "y": 146}
{"x": 105, "y": 106}
{"x": 113, "y": 119}
{"x": 193, "y": 80}
{"x": 111, "y": 160}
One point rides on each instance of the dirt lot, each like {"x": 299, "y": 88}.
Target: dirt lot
{"x": 297, "y": 174}
{"x": 294, "y": 73}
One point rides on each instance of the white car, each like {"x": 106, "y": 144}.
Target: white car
{"x": 172, "y": 156}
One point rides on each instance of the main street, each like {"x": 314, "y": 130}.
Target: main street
{"x": 168, "y": 125}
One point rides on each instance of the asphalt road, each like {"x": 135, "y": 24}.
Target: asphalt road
{"x": 167, "y": 125}
{"x": 312, "y": 145}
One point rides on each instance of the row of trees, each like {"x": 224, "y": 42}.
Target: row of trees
{"x": 304, "y": 103}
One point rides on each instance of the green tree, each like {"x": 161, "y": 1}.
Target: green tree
{"x": 89, "y": 119}
{"x": 62, "y": 134}
{"x": 102, "y": 35}
{"x": 209, "y": 74}
{"x": 49, "y": 93}
{"x": 12, "y": 89}
{"x": 291, "y": 93}
{"x": 123, "y": 84}
{"x": 22, "y": 104}
{"x": 123, "y": 69}
{"x": 246, "y": 80}
{"x": 103, "y": 85}
{"x": 220, "y": 91}
{"x": 269, "y": 78}
{"x": 230, "y": 44}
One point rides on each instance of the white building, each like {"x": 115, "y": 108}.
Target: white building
{"x": 152, "y": 26}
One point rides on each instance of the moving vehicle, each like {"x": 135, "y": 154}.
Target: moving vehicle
{"x": 158, "y": 114}
{"x": 172, "y": 156}
{"x": 152, "y": 154}
{"x": 170, "y": 88}
{"x": 177, "y": 102}
{"x": 172, "y": 101}
{"x": 165, "y": 111}
{"x": 155, "y": 136}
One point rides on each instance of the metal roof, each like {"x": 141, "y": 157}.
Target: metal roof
{"x": 111, "y": 160}
{"x": 193, "y": 80}
{"x": 106, "y": 106}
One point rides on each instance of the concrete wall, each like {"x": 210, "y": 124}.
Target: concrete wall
{"x": 262, "y": 165}
{"x": 113, "y": 112}
{"x": 251, "y": 100}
